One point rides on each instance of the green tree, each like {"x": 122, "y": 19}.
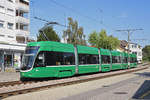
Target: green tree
{"x": 74, "y": 34}
{"x": 114, "y": 43}
{"x": 93, "y": 38}
{"x": 101, "y": 40}
{"x": 146, "y": 53}
{"x": 50, "y": 33}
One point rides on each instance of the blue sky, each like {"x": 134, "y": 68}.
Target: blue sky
{"x": 92, "y": 15}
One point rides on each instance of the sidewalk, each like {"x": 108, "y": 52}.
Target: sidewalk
{"x": 9, "y": 76}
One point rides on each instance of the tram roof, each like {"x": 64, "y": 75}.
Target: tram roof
{"x": 116, "y": 53}
{"x": 132, "y": 55}
{"x": 53, "y": 46}
{"x": 105, "y": 51}
{"x": 63, "y": 47}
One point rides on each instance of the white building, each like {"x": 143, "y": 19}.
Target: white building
{"x": 136, "y": 49}
{"x": 14, "y": 31}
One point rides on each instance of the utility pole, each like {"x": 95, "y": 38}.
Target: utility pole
{"x": 129, "y": 31}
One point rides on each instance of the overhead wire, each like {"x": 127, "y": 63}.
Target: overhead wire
{"x": 81, "y": 14}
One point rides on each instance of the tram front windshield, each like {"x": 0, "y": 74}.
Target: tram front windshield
{"x": 29, "y": 57}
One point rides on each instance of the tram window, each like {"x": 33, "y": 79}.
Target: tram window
{"x": 105, "y": 59}
{"x": 40, "y": 60}
{"x": 93, "y": 59}
{"x": 116, "y": 59}
{"x": 132, "y": 60}
{"x": 136, "y": 60}
{"x": 125, "y": 60}
{"x": 120, "y": 59}
{"x": 59, "y": 58}
{"x": 82, "y": 59}
{"x": 88, "y": 59}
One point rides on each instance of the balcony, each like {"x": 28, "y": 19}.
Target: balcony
{"x": 22, "y": 33}
{"x": 20, "y": 19}
{"x": 21, "y": 39}
{"x": 22, "y": 6}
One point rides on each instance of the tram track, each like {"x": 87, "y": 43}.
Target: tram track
{"x": 58, "y": 83}
{"x": 13, "y": 83}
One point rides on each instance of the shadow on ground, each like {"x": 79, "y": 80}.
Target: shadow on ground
{"x": 145, "y": 74}
{"x": 142, "y": 92}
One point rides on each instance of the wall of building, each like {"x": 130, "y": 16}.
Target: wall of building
{"x": 136, "y": 49}
{"x": 7, "y": 18}
{"x": 14, "y": 30}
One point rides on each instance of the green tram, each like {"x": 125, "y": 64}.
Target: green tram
{"x": 53, "y": 59}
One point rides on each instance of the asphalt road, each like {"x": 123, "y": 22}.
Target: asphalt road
{"x": 123, "y": 90}
{"x": 135, "y": 88}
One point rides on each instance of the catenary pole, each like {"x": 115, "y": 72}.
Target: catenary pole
{"x": 129, "y": 31}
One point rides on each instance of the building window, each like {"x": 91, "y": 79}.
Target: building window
{"x": 10, "y": 37}
{"x": 2, "y": 9}
{"x": 24, "y": 2}
{"x": 10, "y": 25}
{"x": 20, "y": 39}
{"x": 1, "y": 24}
{"x": 2, "y": 35}
{"x": 1, "y": 6}
{"x": 22, "y": 26}
{"x": 132, "y": 46}
{"x": 140, "y": 54}
{"x": 8, "y": 60}
{"x": 25, "y": 27}
{"x": 17, "y": 26}
{"x": 10, "y": 1}
{"x": 22, "y": 13}
{"x": 10, "y": 11}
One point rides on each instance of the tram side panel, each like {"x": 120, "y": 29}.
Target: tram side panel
{"x": 105, "y": 60}
{"x": 88, "y": 59}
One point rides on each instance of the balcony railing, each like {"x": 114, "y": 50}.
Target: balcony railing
{"x": 20, "y": 19}
{"x": 22, "y": 33}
